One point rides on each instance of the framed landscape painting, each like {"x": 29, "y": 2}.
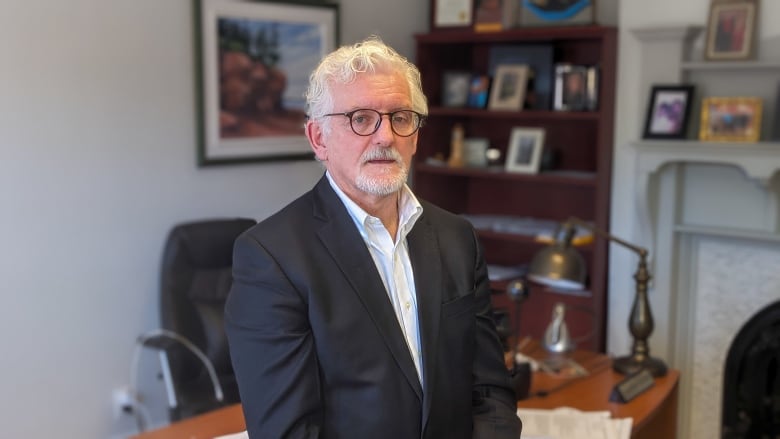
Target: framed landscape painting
{"x": 255, "y": 58}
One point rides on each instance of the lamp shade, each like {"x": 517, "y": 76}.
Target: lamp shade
{"x": 558, "y": 266}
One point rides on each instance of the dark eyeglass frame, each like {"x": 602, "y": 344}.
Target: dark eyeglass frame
{"x": 420, "y": 120}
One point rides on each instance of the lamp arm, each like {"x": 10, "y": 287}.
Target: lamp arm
{"x": 641, "y": 251}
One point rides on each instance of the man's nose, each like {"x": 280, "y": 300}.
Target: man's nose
{"x": 384, "y": 135}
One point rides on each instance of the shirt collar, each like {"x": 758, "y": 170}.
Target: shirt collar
{"x": 409, "y": 208}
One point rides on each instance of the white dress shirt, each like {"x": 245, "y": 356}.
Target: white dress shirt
{"x": 391, "y": 257}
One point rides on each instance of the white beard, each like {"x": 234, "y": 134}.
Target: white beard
{"x": 383, "y": 185}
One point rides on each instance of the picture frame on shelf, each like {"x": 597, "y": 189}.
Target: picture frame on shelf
{"x": 475, "y": 151}
{"x": 731, "y": 33}
{"x": 525, "y": 150}
{"x": 730, "y": 119}
{"x": 576, "y": 88}
{"x": 668, "y": 111}
{"x": 259, "y": 117}
{"x": 556, "y": 13}
{"x": 495, "y": 15}
{"x": 455, "y": 89}
{"x": 509, "y": 87}
{"x": 448, "y": 14}
{"x": 539, "y": 58}
{"x": 479, "y": 90}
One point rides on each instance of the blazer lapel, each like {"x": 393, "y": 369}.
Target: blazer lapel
{"x": 339, "y": 235}
{"x": 426, "y": 262}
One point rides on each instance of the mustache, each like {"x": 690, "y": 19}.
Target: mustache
{"x": 382, "y": 154}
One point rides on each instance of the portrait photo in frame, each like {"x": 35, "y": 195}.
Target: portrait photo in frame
{"x": 730, "y": 119}
{"x": 525, "y": 150}
{"x": 731, "y": 30}
{"x": 509, "y": 85}
{"x": 255, "y": 58}
{"x": 576, "y": 88}
{"x": 668, "y": 111}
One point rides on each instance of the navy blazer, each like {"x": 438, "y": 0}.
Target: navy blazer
{"x": 318, "y": 351}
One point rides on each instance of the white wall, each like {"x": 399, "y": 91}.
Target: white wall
{"x": 97, "y": 162}
{"x": 631, "y": 105}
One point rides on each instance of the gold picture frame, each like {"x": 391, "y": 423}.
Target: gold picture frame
{"x": 731, "y": 31}
{"x": 730, "y": 119}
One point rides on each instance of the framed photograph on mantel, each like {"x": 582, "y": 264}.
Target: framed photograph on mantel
{"x": 668, "y": 111}
{"x": 731, "y": 30}
{"x": 730, "y": 119}
{"x": 255, "y": 58}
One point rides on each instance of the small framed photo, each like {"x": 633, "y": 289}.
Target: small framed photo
{"x": 509, "y": 86}
{"x": 668, "y": 111}
{"x": 576, "y": 88}
{"x": 525, "y": 150}
{"x": 731, "y": 30}
{"x": 478, "y": 91}
{"x": 735, "y": 119}
{"x": 455, "y": 89}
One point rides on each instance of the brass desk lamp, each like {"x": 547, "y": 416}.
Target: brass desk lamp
{"x": 561, "y": 266}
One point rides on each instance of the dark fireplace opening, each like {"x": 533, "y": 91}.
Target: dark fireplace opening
{"x": 751, "y": 382}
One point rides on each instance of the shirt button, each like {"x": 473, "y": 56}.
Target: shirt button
{"x": 407, "y": 305}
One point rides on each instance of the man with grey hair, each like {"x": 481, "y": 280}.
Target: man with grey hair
{"x": 359, "y": 311}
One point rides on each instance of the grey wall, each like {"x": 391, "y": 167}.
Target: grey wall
{"x": 97, "y": 162}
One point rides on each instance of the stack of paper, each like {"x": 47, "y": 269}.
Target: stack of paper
{"x": 569, "y": 423}
{"x": 560, "y": 423}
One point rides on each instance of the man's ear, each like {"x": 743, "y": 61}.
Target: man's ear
{"x": 317, "y": 139}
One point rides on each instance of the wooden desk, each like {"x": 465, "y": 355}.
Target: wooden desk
{"x": 222, "y": 421}
{"x": 654, "y": 412}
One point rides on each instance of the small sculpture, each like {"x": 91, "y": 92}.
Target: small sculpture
{"x": 456, "y": 147}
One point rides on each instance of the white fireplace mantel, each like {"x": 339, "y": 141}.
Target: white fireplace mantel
{"x": 709, "y": 214}
{"x": 759, "y": 161}
{"x": 705, "y": 209}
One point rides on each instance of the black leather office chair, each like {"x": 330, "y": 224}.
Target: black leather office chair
{"x": 195, "y": 280}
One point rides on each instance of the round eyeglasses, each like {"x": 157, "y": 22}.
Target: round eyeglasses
{"x": 365, "y": 122}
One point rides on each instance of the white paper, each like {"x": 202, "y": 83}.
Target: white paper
{"x": 569, "y": 423}
{"x": 241, "y": 435}
{"x": 453, "y": 13}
